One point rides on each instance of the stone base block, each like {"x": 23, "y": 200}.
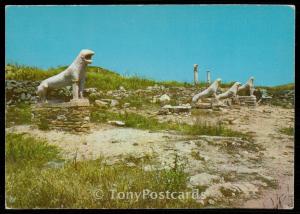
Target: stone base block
{"x": 247, "y": 100}
{"x": 175, "y": 109}
{"x": 73, "y": 116}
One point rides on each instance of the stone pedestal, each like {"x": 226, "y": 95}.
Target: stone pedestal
{"x": 73, "y": 116}
{"x": 247, "y": 100}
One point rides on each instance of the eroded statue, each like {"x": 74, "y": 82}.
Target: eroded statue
{"x": 231, "y": 92}
{"x": 210, "y": 91}
{"x": 248, "y": 85}
{"x": 74, "y": 75}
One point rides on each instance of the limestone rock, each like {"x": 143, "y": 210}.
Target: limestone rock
{"x": 121, "y": 88}
{"x": 216, "y": 192}
{"x": 101, "y": 103}
{"x": 175, "y": 109}
{"x": 90, "y": 90}
{"x": 201, "y": 105}
{"x": 114, "y": 103}
{"x": 117, "y": 123}
{"x": 164, "y": 98}
{"x": 126, "y": 105}
{"x": 203, "y": 179}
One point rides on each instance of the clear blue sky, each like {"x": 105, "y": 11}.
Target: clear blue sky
{"x": 159, "y": 42}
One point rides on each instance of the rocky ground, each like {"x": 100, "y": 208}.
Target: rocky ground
{"x": 231, "y": 171}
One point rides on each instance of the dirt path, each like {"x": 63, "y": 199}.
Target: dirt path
{"x": 278, "y": 157}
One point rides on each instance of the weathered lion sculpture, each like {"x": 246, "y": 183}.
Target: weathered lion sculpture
{"x": 210, "y": 91}
{"x": 231, "y": 92}
{"x": 248, "y": 85}
{"x": 74, "y": 75}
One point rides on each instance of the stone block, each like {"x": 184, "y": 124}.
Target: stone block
{"x": 71, "y": 116}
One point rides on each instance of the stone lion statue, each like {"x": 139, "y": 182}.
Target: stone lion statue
{"x": 210, "y": 91}
{"x": 248, "y": 85}
{"x": 74, "y": 75}
{"x": 231, "y": 92}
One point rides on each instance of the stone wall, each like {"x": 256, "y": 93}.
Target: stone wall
{"x": 73, "y": 116}
{"x": 25, "y": 92}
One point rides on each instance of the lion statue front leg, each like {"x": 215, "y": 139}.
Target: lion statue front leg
{"x": 81, "y": 87}
{"x": 75, "y": 89}
{"x": 42, "y": 92}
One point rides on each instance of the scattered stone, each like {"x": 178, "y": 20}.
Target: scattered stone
{"x": 114, "y": 103}
{"x": 267, "y": 111}
{"x": 101, "y": 103}
{"x": 164, "y": 98}
{"x": 126, "y": 105}
{"x": 54, "y": 164}
{"x": 130, "y": 164}
{"x": 154, "y": 100}
{"x": 121, "y": 88}
{"x": 212, "y": 202}
{"x": 202, "y": 105}
{"x": 90, "y": 90}
{"x": 109, "y": 162}
{"x": 117, "y": 123}
{"x": 23, "y": 96}
{"x": 61, "y": 117}
{"x": 218, "y": 191}
{"x": 175, "y": 109}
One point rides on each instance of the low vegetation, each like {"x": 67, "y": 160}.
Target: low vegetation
{"x": 31, "y": 182}
{"x": 289, "y": 86}
{"x": 138, "y": 121}
{"x": 16, "y": 115}
{"x": 287, "y": 130}
{"x": 97, "y": 77}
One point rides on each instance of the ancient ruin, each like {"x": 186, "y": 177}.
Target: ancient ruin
{"x": 210, "y": 91}
{"x": 195, "y": 74}
{"x": 74, "y": 75}
{"x": 249, "y": 100}
{"x": 249, "y": 85}
{"x": 71, "y": 116}
{"x": 209, "y": 98}
{"x": 231, "y": 92}
{"x": 68, "y": 116}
